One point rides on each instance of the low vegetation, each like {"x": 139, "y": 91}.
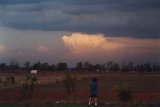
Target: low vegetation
{"x": 28, "y": 86}
{"x": 124, "y": 92}
{"x": 70, "y": 83}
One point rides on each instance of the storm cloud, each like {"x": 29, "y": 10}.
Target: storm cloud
{"x": 80, "y": 30}
{"x": 121, "y": 18}
{"x": 70, "y": 47}
{"x": 81, "y": 44}
{"x": 99, "y": 47}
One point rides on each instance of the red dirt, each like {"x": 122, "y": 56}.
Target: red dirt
{"x": 15, "y": 95}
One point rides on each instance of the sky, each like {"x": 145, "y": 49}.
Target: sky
{"x": 80, "y": 30}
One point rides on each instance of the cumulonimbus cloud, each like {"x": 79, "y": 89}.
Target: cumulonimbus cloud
{"x": 83, "y": 44}
{"x": 99, "y": 47}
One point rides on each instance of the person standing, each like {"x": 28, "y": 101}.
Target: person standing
{"x": 93, "y": 92}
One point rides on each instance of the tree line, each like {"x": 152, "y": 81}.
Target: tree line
{"x": 109, "y": 66}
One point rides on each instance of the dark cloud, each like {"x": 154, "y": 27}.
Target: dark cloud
{"x": 136, "y": 18}
{"x": 8, "y": 2}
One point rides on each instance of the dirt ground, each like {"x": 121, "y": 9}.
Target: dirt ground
{"x": 145, "y": 88}
{"x": 15, "y": 95}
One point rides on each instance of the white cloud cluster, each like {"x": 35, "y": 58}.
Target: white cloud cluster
{"x": 42, "y": 49}
{"x": 99, "y": 47}
{"x": 84, "y": 44}
{"x": 2, "y": 48}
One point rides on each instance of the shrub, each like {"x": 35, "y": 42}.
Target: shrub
{"x": 33, "y": 79}
{"x": 12, "y": 80}
{"x": 7, "y": 79}
{"x": 124, "y": 93}
{"x": 28, "y": 86}
{"x": 0, "y": 81}
{"x": 70, "y": 83}
{"x": 57, "y": 81}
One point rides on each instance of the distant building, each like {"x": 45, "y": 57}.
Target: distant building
{"x": 33, "y": 71}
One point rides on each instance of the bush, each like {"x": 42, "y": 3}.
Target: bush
{"x": 57, "y": 81}
{"x": 33, "y": 79}
{"x": 124, "y": 93}
{"x": 0, "y": 81}
{"x": 70, "y": 83}
{"x": 7, "y": 79}
{"x": 29, "y": 85}
{"x": 12, "y": 80}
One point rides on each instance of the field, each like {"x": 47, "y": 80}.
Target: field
{"x": 79, "y": 105}
{"x": 49, "y": 88}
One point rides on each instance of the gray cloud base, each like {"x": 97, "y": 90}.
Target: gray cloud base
{"x": 136, "y": 18}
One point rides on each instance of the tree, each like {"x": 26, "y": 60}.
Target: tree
{"x": 3, "y": 66}
{"x": 148, "y": 67}
{"x": 37, "y": 65}
{"x": 87, "y": 66}
{"x": 52, "y": 67}
{"x": 98, "y": 67}
{"x": 45, "y": 66}
{"x": 109, "y": 65}
{"x": 79, "y": 66}
{"x": 156, "y": 68}
{"x": 62, "y": 66}
{"x": 131, "y": 66}
{"x": 115, "y": 67}
{"x": 27, "y": 65}
{"x": 14, "y": 65}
